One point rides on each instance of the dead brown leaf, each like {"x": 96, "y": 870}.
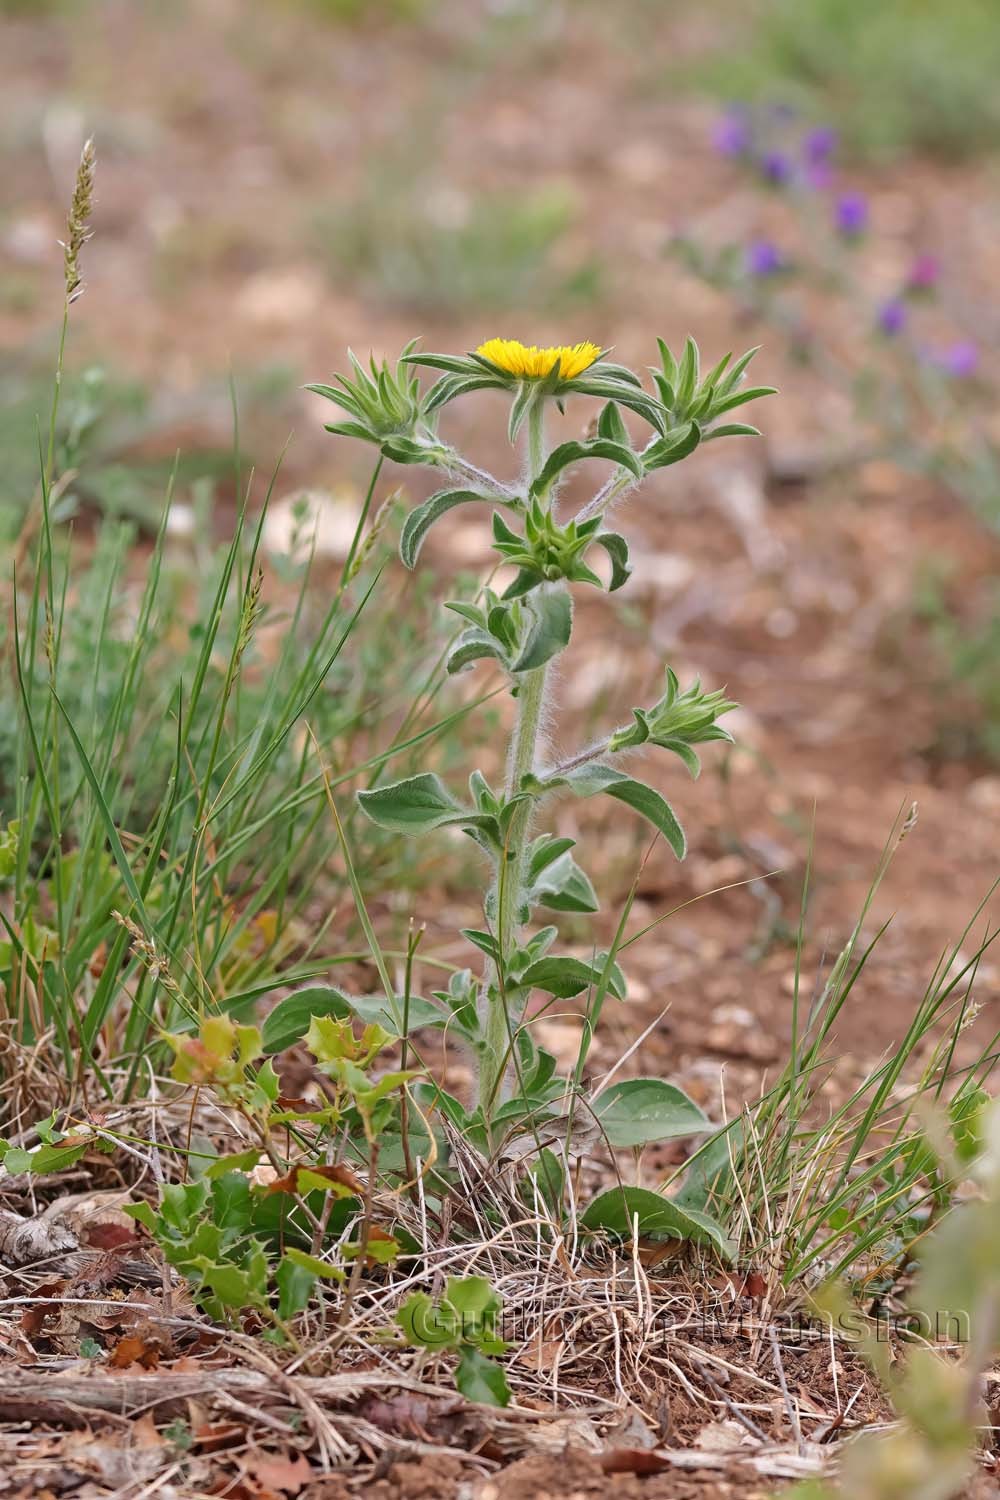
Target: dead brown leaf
{"x": 337, "y": 1172}
{"x": 134, "y": 1350}
{"x": 278, "y": 1471}
{"x": 212, "y": 1437}
{"x": 33, "y": 1318}
{"x": 118, "y": 1458}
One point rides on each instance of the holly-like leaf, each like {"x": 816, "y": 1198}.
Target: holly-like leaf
{"x": 315, "y": 1265}
{"x": 45, "y": 1158}
{"x": 481, "y": 1379}
{"x": 640, "y": 1110}
{"x": 231, "y": 1207}
{"x": 427, "y": 1324}
{"x": 289, "y": 1021}
{"x": 295, "y": 1286}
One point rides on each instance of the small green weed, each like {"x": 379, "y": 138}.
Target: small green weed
{"x": 484, "y": 252}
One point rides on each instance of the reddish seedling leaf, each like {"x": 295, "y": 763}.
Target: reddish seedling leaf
{"x": 633, "y": 1461}
{"x": 108, "y": 1235}
{"x": 755, "y": 1286}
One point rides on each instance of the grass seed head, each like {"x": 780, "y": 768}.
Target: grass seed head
{"x": 78, "y": 222}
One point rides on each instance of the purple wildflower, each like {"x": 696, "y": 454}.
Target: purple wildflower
{"x": 763, "y": 258}
{"x": 776, "y": 167}
{"x": 891, "y": 317}
{"x": 731, "y": 136}
{"x": 851, "y": 214}
{"x": 819, "y": 145}
{"x": 924, "y": 274}
{"x": 961, "y": 360}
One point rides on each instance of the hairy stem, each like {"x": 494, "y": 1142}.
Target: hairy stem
{"x": 509, "y": 887}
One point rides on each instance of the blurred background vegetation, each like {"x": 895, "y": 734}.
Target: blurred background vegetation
{"x": 282, "y": 180}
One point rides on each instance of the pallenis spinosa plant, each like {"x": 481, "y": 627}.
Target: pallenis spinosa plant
{"x": 524, "y": 629}
{"x": 401, "y": 1128}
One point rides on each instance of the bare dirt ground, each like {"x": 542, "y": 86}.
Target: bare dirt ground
{"x": 219, "y": 142}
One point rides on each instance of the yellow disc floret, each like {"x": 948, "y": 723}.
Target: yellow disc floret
{"x": 531, "y": 363}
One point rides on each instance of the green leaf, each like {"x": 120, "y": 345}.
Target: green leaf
{"x": 617, "y": 549}
{"x": 732, "y": 429}
{"x": 708, "y": 1176}
{"x": 610, "y": 424}
{"x": 231, "y": 1201}
{"x": 481, "y": 1379}
{"x": 589, "y": 780}
{"x": 563, "y": 886}
{"x": 472, "y": 1296}
{"x": 640, "y": 1110}
{"x": 546, "y": 1172}
{"x": 548, "y": 631}
{"x": 687, "y": 373}
{"x": 528, "y": 395}
{"x": 239, "y": 1161}
{"x": 474, "y": 645}
{"x": 289, "y": 1021}
{"x": 572, "y": 452}
{"x": 295, "y": 1284}
{"x": 315, "y": 1265}
{"x": 545, "y": 850}
{"x": 565, "y": 977}
{"x": 476, "y": 1308}
{"x": 672, "y": 448}
{"x": 420, "y": 520}
{"x": 142, "y": 1213}
{"x": 659, "y": 1218}
{"x": 43, "y": 1158}
{"x": 426, "y": 1324}
{"x": 410, "y": 806}
{"x": 404, "y": 450}
{"x": 238, "y": 1287}
{"x": 739, "y": 398}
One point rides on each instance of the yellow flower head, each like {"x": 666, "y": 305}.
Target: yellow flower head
{"x": 532, "y": 363}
